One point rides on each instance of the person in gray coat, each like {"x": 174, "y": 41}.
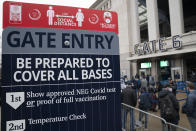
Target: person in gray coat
{"x": 144, "y": 83}
{"x": 129, "y": 97}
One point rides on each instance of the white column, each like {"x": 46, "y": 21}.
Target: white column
{"x": 134, "y": 30}
{"x": 176, "y": 17}
{"x": 153, "y": 19}
{"x": 153, "y": 29}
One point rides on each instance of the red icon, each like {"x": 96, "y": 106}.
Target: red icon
{"x": 93, "y": 19}
{"x": 35, "y": 14}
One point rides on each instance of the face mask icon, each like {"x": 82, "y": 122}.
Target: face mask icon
{"x": 107, "y": 17}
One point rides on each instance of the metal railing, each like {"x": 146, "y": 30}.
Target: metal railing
{"x": 176, "y": 127}
{"x": 151, "y": 121}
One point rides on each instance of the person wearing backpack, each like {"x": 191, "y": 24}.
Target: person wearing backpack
{"x": 145, "y": 103}
{"x": 169, "y": 108}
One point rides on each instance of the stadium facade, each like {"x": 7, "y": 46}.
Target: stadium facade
{"x": 157, "y": 37}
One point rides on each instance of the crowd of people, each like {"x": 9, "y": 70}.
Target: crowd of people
{"x": 146, "y": 94}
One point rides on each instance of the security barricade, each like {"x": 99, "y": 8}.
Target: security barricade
{"x": 173, "y": 127}
{"x": 139, "y": 120}
{"x": 134, "y": 119}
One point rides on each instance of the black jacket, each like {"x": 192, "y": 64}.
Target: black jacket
{"x": 128, "y": 96}
{"x": 145, "y": 101}
{"x": 162, "y": 94}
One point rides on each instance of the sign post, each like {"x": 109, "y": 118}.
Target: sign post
{"x": 60, "y": 69}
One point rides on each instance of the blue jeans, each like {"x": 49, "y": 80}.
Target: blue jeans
{"x": 192, "y": 122}
{"x": 141, "y": 115}
{"x": 124, "y": 119}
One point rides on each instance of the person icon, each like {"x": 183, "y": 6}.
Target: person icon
{"x": 79, "y": 17}
{"x": 50, "y": 15}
